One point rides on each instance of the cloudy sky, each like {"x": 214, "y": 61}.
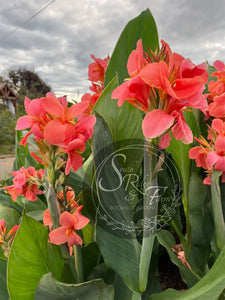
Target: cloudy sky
{"x": 59, "y": 36}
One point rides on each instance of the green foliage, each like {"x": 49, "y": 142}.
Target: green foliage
{"x": 51, "y": 289}
{"x": 208, "y": 288}
{"x": 142, "y": 27}
{"x": 31, "y": 257}
{"x": 7, "y": 125}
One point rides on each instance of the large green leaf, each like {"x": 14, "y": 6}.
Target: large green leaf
{"x": 142, "y": 27}
{"x": 115, "y": 230}
{"x": 10, "y": 215}
{"x": 124, "y": 122}
{"x": 30, "y": 258}
{"x": 51, "y": 289}
{"x": 3, "y": 286}
{"x": 120, "y": 254}
{"x": 208, "y": 288}
{"x": 200, "y": 224}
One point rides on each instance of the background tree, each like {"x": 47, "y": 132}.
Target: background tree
{"x": 26, "y": 82}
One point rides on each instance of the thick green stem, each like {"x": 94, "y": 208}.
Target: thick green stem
{"x": 217, "y": 210}
{"x": 54, "y": 210}
{"x": 150, "y": 210}
{"x": 78, "y": 263}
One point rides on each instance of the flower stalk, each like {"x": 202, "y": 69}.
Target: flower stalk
{"x": 148, "y": 212}
{"x": 78, "y": 263}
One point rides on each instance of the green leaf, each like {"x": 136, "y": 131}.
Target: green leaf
{"x": 115, "y": 235}
{"x": 142, "y": 27}
{"x": 208, "y": 288}
{"x": 124, "y": 122}
{"x": 10, "y": 216}
{"x": 200, "y": 224}
{"x": 51, "y": 289}
{"x": 6, "y": 199}
{"x": 30, "y": 258}
{"x": 3, "y": 285}
{"x": 31, "y": 205}
{"x": 23, "y": 156}
{"x": 120, "y": 254}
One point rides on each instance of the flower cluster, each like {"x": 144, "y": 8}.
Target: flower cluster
{"x": 6, "y": 238}
{"x": 70, "y": 220}
{"x": 26, "y": 182}
{"x": 51, "y": 120}
{"x": 163, "y": 84}
{"x": 96, "y": 74}
{"x": 210, "y": 155}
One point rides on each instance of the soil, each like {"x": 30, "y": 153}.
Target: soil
{"x": 169, "y": 275}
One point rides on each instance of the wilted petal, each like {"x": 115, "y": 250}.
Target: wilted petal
{"x": 156, "y": 122}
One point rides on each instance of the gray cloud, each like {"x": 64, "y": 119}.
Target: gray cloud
{"x": 58, "y": 42}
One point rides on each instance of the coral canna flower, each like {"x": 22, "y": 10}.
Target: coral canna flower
{"x": 36, "y": 119}
{"x": 163, "y": 84}
{"x": 67, "y": 232}
{"x": 26, "y": 182}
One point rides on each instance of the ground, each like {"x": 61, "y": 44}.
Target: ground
{"x": 6, "y": 164}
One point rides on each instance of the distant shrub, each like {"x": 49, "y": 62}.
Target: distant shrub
{"x": 7, "y": 127}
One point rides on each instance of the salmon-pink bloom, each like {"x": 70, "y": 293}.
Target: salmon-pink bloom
{"x": 219, "y": 126}
{"x": 96, "y": 70}
{"x": 217, "y": 88}
{"x": 217, "y": 107}
{"x": 47, "y": 219}
{"x": 36, "y": 119}
{"x": 69, "y": 224}
{"x": 163, "y": 85}
{"x": 26, "y": 182}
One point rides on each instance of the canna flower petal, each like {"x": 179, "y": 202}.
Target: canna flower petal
{"x": 52, "y": 105}
{"x": 219, "y": 65}
{"x": 82, "y": 221}
{"x": 58, "y": 133}
{"x": 154, "y": 74}
{"x": 156, "y": 122}
{"x": 136, "y": 61}
{"x": 74, "y": 239}
{"x": 58, "y": 236}
{"x": 220, "y": 143}
{"x": 181, "y": 131}
{"x": 23, "y": 123}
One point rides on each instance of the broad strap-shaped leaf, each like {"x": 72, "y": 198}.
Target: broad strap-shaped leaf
{"x": 115, "y": 232}
{"x": 3, "y": 286}
{"x": 51, "y": 289}
{"x": 201, "y": 224}
{"x": 30, "y": 258}
{"x": 124, "y": 122}
{"x": 142, "y": 27}
{"x": 10, "y": 215}
{"x": 208, "y": 288}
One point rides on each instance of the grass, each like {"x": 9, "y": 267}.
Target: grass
{"x": 7, "y": 149}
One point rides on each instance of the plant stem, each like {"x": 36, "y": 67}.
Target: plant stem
{"x": 217, "y": 210}
{"x": 78, "y": 263}
{"x": 149, "y": 211}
